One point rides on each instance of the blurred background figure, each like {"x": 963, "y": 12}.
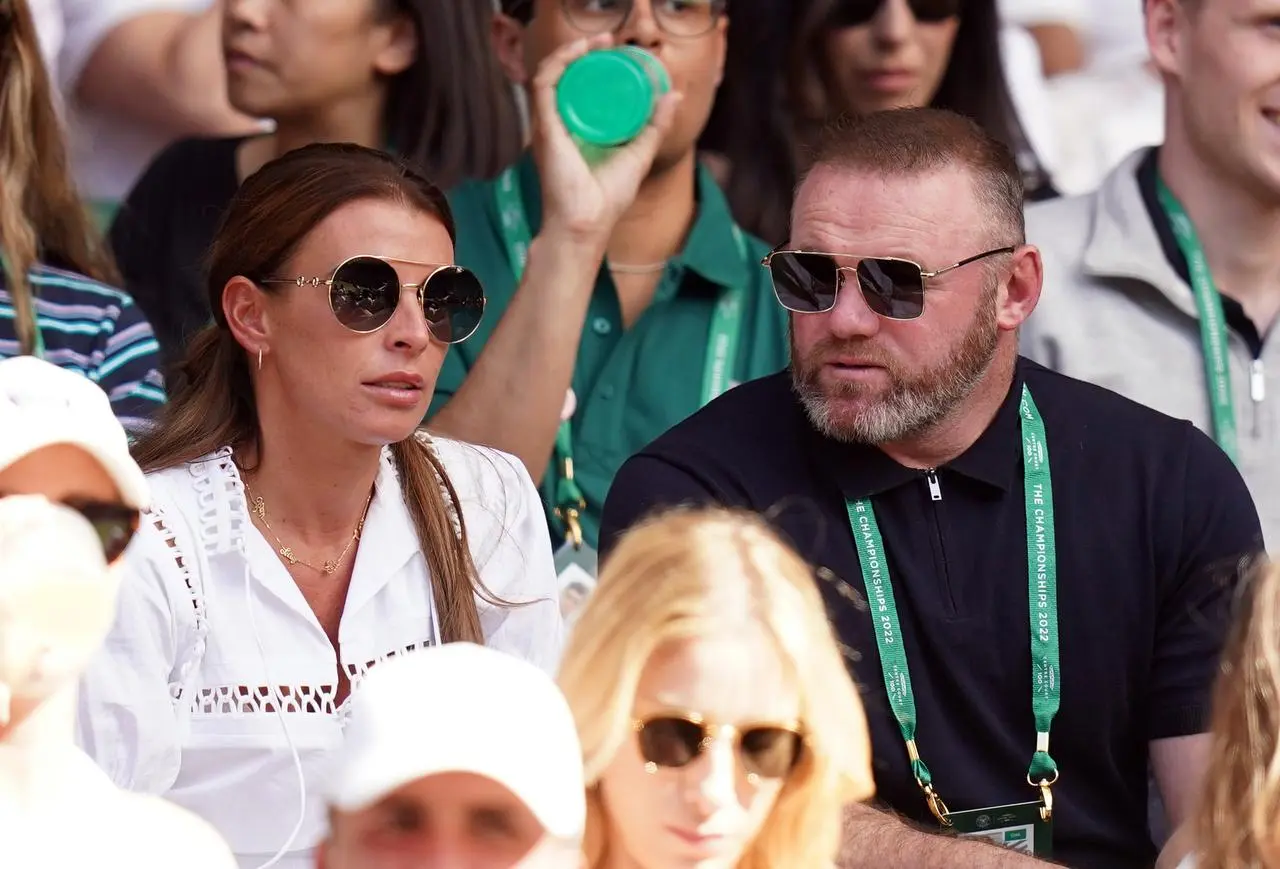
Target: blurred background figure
{"x": 132, "y": 76}
{"x": 860, "y": 56}
{"x": 56, "y": 298}
{"x": 69, "y": 502}
{"x": 718, "y": 723}
{"x": 415, "y": 77}
{"x": 1236, "y": 825}
{"x": 461, "y": 757}
{"x": 1103, "y": 98}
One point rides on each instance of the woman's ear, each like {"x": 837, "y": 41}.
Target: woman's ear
{"x": 400, "y": 48}
{"x": 507, "y": 35}
{"x": 245, "y": 307}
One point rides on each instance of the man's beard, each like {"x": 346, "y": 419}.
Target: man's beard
{"x": 912, "y": 404}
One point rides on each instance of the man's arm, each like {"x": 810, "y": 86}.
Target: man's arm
{"x": 162, "y": 69}
{"x": 877, "y": 840}
{"x": 513, "y": 395}
{"x": 1180, "y": 765}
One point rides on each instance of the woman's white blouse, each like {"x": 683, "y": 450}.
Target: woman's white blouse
{"x": 215, "y": 652}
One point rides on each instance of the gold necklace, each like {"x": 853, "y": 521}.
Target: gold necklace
{"x": 630, "y": 269}
{"x": 259, "y": 509}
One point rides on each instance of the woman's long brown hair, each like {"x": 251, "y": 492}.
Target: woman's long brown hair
{"x": 211, "y": 404}
{"x": 1238, "y": 823}
{"x": 41, "y": 218}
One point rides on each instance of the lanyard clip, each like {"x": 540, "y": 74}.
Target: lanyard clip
{"x": 569, "y": 516}
{"x": 1046, "y": 795}
{"x": 936, "y": 805}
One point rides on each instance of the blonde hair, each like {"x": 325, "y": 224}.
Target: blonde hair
{"x": 686, "y": 574}
{"x": 1238, "y": 825}
{"x": 40, "y": 214}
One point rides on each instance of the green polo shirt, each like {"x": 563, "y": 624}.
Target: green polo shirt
{"x": 631, "y": 384}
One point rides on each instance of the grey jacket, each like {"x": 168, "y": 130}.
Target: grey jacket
{"x": 1115, "y": 312}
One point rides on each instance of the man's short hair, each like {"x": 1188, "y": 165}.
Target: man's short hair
{"x": 906, "y": 142}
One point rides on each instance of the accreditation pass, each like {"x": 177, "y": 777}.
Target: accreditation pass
{"x": 1018, "y": 827}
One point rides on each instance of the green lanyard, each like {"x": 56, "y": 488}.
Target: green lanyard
{"x": 1042, "y": 596}
{"x": 1213, "y": 330}
{"x": 717, "y": 369}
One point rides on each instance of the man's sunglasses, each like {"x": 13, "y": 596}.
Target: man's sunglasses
{"x": 673, "y": 741}
{"x": 806, "y": 282}
{"x": 855, "y": 13}
{"x": 364, "y": 292}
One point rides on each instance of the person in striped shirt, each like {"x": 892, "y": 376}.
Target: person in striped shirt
{"x": 56, "y": 301}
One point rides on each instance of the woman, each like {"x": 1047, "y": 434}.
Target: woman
{"x": 55, "y": 300}
{"x": 414, "y": 76}
{"x": 302, "y": 530}
{"x": 69, "y": 504}
{"x": 854, "y": 56}
{"x": 1238, "y": 821}
{"x": 719, "y": 726}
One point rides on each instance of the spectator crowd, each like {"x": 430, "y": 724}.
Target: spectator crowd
{"x": 639, "y": 434}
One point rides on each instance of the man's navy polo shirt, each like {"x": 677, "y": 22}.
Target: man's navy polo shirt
{"x": 1153, "y": 526}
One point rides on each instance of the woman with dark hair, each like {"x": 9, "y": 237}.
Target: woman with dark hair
{"x": 302, "y": 529}
{"x": 415, "y": 77}
{"x": 855, "y": 57}
{"x": 56, "y": 295}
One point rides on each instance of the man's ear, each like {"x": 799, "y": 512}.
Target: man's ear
{"x": 507, "y": 35}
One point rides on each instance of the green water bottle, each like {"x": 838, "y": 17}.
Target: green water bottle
{"x": 607, "y": 97}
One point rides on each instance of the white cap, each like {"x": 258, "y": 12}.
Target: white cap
{"x": 461, "y": 707}
{"x": 42, "y": 405}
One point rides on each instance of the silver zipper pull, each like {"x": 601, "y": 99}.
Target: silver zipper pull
{"x": 1257, "y": 381}
{"x": 935, "y": 490}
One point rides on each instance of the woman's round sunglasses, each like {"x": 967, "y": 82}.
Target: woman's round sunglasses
{"x": 855, "y": 13}
{"x": 807, "y": 282}
{"x": 364, "y": 292}
{"x": 672, "y": 741}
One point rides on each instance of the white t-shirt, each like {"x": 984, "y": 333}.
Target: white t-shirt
{"x": 212, "y": 634}
{"x": 107, "y": 154}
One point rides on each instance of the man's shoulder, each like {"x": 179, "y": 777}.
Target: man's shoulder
{"x": 1087, "y": 413}
{"x": 752, "y": 418}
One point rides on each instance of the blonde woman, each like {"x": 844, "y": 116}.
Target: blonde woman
{"x": 1238, "y": 824}
{"x": 719, "y": 726}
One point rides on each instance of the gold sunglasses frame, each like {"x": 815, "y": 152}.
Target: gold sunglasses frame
{"x": 925, "y": 275}
{"x": 436, "y": 268}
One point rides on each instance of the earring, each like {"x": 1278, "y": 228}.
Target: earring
{"x": 259, "y": 358}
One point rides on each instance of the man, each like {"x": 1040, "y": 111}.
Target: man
{"x": 1166, "y": 280}
{"x": 457, "y": 756}
{"x": 1037, "y": 628}
{"x": 640, "y": 298}
{"x": 69, "y": 501}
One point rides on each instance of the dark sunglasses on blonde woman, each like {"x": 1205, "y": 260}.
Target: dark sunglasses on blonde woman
{"x": 855, "y": 13}
{"x": 806, "y": 282}
{"x": 364, "y": 292}
{"x": 673, "y": 740}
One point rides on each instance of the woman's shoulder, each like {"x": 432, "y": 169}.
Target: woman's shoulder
{"x": 478, "y": 470}
{"x": 198, "y": 504}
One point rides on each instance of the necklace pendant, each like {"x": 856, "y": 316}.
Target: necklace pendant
{"x": 329, "y": 567}
{"x": 287, "y": 554}
{"x": 259, "y": 508}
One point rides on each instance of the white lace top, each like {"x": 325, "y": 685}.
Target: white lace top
{"x": 214, "y": 648}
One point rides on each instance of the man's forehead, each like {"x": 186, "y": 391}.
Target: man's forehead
{"x": 835, "y": 202}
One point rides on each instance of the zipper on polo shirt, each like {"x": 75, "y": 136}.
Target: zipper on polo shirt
{"x": 939, "y": 542}
{"x": 935, "y": 488}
